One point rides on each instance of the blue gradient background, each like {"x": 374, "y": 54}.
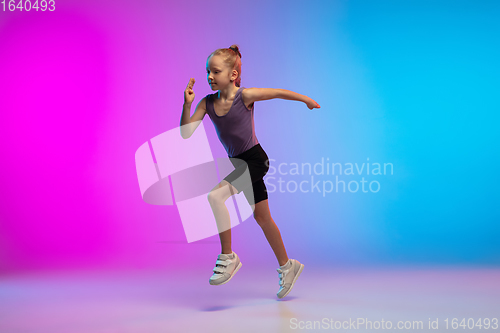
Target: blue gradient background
{"x": 412, "y": 83}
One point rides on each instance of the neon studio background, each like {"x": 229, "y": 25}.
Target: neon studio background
{"x": 410, "y": 83}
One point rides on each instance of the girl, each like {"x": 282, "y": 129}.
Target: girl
{"x": 231, "y": 110}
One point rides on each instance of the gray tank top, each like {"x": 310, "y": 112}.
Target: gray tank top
{"x": 236, "y": 128}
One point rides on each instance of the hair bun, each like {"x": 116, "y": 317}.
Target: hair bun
{"x": 236, "y": 50}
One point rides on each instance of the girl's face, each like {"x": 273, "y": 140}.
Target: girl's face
{"x": 218, "y": 74}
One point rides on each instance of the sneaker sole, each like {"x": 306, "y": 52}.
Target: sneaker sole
{"x": 294, "y": 279}
{"x": 234, "y": 273}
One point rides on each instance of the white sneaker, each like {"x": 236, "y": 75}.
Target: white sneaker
{"x": 288, "y": 274}
{"x": 226, "y": 266}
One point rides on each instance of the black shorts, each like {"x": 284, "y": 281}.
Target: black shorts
{"x": 258, "y": 164}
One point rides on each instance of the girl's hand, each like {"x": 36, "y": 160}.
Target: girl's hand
{"x": 311, "y": 104}
{"x": 189, "y": 93}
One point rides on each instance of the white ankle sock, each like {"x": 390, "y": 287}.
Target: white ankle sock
{"x": 287, "y": 264}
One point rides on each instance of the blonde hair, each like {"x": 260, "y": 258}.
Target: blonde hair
{"x": 232, "y": 58}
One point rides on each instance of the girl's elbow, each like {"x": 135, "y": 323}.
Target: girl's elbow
{"x": 188, "y": 129}
{"x": 185, "y": 134}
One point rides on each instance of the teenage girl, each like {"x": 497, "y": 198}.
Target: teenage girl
{"x": 231, "y": 110}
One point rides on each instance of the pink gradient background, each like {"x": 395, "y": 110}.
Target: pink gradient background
{"x": 77, "y": 99}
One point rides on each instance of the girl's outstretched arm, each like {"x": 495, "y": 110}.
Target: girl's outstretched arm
{"x": 251, "y": 95}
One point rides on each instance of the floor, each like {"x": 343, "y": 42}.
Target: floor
{"x": 348, "y": 299}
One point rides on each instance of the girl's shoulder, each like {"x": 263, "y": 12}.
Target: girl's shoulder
{"x": 209, "y": 97}
{"x": 245, "y": 98}
{"x": 244, "y": 92}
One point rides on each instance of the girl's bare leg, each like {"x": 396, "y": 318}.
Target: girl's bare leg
{"x": 263, "y": 217}
{"x": 217, "y": 198}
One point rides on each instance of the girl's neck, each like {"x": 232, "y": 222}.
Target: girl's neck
{"x": 230, "y": 91}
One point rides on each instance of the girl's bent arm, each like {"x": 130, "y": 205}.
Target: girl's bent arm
{"x": 189, "y": 124}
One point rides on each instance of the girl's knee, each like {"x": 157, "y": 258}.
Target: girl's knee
{"x": 220, "y": 194}
{"x": 213, "y": 197}
{"x": 261, "y": 219}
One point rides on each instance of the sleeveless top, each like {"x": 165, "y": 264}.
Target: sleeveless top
{"x": 236, "y": 130}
